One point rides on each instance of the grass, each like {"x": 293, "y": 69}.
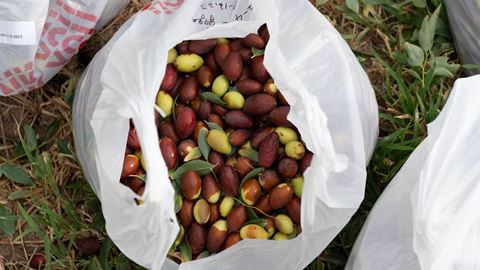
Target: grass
{"x": 47, "y": 206}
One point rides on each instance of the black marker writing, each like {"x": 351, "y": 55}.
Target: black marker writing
{"x": 239, "y": 17}
{"x": 222, "y": 5}
{"x": 203, "y": 20}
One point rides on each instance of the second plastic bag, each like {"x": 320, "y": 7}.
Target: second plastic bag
{"x": 427, "y": 218}
{"x": 39, "y": 37}
{"x": 464, "y": 19}
{"x": 332, "y": 104}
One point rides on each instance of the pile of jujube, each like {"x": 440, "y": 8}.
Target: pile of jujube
{"x": 234, "y": 158}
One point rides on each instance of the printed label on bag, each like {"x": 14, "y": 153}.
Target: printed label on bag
{"x": 17, "y": 33}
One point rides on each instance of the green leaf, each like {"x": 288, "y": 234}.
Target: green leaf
{"x": 193, "y": 154}
{"x": 419, "y": 3}
{"x": 32, "y": 223}
{"x": 251, "y": 174}
{"x": 426, "y": 34}
{"x": 250, "y": 153}
{"x": 398, "y": 78}
{"x": 16, "y": 174}
{"x": 39, "y": 169}
{"x": 141, "y": 177}
{"x": 178, "y": 203}
{"x": 203, "y": 254}
{"x": 353, "y": 5}
{"x": 202, "y": 143}
{"x": 25, "y": 145}
{"x": 257, "y": 52}
{"x": 200, "y": 166}
{"x": 232, "y": 152}
{"x": 251, "y": 214}
{"x": 185, "y": 252}
{"x": 442, "y": 61}
{"x": 174, "y": 114}
{"x": 7, "y": 221}
{"x": 470, "y": 66}
{"x": 19, "y": 194}
{"x": 69, "y": 87}
{"x": 414, "y": 74}
{"x": 98, "y": 222}
{"x": 104, "y": 253}
{"x": 94, "y": 264}
{"x": 94, "y": 204}
{"x": 122, "y": 263}
{"x": 19, "y": 150}
{"x": 320, "y": 2}
{"x": 293, "y": 234}
{"x": 212, "y": 125}
{"x": 63, "y": 147}
{"x": 177, "y": 187}
{"x": 443, "y": 72}
{"x": 232, "y": 88}
{"x": 51, "y": 130}
{"x": 427, "y": 30}
{"x": 212, "y": 97}
{"x": 416, "y": 56}
{"x": 260, "y": 222}
{"x": 30, "y": 137}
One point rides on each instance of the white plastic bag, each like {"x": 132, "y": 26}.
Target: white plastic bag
{"x": 464, "y": 20}
{"x": 332, "y": 104}
{"x": 427, "y": 218}
{"x": 38, "y": 37}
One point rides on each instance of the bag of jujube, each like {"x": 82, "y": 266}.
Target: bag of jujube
{"x": 427, "y": 218}
{"x": 332, "y": 105}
